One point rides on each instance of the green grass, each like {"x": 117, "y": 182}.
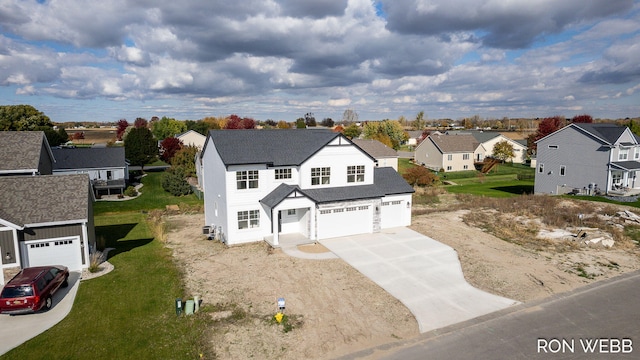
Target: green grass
{"x": 152, "y": 197}
{"x": 404, "y": 164}
{"x": 128, "y": 313}
{"x": 503, "y": 188}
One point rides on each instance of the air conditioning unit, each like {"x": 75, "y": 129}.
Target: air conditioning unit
{"x": 206, "y": 230}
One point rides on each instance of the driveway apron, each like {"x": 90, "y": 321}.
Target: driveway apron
{"x": 15, "y": 330}
{"x": 425, "y": 275}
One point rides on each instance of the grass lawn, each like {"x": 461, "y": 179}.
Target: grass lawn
{"x": 501, "y": 188}
{"x": 152, "y": 197}
{"x": 128, "y": 313}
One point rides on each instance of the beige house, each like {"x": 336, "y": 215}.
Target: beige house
{"x": 192, "y": 138}
{"x": 447, "y": 152}
{"x": 384, "y": 155}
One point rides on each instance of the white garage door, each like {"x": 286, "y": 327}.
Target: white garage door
{"x": 392, "y": 213}
{"x": 345, "y": 221}
{"x": 61, "y": 251}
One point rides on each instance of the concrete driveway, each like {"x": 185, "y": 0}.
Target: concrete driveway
{"x": 425, "y": 275}
{"x": 15, "y": 330}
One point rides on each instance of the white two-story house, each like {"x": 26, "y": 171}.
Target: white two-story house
{"x": 261, "y": 184}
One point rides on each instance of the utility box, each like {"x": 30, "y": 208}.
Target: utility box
{"x": 178, "y": 306}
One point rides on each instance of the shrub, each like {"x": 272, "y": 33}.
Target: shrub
{"x": 95, "y": 260}
{"x": 420, "y": 176}
{"x": 173, "y": 181}
{"x": 131, "y": 191}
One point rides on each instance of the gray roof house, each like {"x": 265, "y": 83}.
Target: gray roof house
{"x": 447, "y": 152}
{"x": 25, "y": 153}
{"x": 107, "y": 167}
{"x": 384, "y": 155}
{"x": 44, "y": 219}
{"x": 296, "y": 185}
{"x": 488, "y": 139}
{"x": 588, "y": 158}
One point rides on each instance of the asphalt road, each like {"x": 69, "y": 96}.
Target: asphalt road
{"x": 598, "y": 321}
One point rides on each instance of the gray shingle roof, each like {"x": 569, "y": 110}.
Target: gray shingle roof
{"x": 283, "y": 147}
{"x": 627, "y": 165}
{"x": 375, "y": 148}
{"x": 454, "y": 143}
{"x": 20, "y": 150}
{"x": 480, "y": 135}
{"x": 88, "y": 158}
{"x": 608, "y": 132}
{"x": 44, "y": 199}
{"x": 386, "y": 182}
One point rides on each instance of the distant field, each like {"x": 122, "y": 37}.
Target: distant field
{"x": 95, "y": 136}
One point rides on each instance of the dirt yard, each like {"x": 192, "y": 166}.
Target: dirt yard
{"x": 333, "y": 310}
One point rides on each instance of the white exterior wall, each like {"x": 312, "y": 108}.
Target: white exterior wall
{"x": 97, "y": 174}
{"x": 337, "y": 158}
{"x": 388, "y": 162}
{"x": 193, "y": 138}
{"x": 457, "y": 162}
{"x": 215, "y": 195}
{"x": 519, "y": 151}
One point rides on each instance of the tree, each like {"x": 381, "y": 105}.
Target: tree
{"x": 184, "y": 158}
{"x": 327, "y": 122}
{"x": 22, "y": 118}
{"x": 283, "y": 125}
{"x": 167, "y": 127}
{"x": 634, "y": 127}
{"x": 78, "y": 135}
{"x": 140, "y": 123}
{"x": 352, "y": 131}
{"x": 121, "y": 127}
{"x": 545, "y": 127}
{"x": 140, "y": 147}
{"x": 503, "y": 151}
{"x": 198, "y": 126}
{"x": 174, "y": 182}
{"x": 420, "y": 176}
{"x": 300, "y": 123}
{"x": 310, "y": 120}
{"x": 584, "y": 118}
{"x": 389, "y": 132}
{"x": 271, "y": 123}
{"x": 54, "y": 138}
{"x": 349, "y": 116}
{"x": 235, "y": 122}
{"x": 169, "y": 147}
{"x": 420, "y": 122}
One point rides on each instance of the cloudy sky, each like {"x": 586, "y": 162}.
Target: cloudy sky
{"x": 79, "y": 60}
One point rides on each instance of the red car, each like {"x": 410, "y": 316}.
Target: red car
{"x": 32, "y": 289}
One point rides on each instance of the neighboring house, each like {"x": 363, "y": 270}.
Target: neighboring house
{"x": 414, "y": 136}
{"x": 447, "y": 152}
{"x": 107, "y": 167}
{"x": 25, "y": 153}
{"x": 261, "y": 184}
{"x": 192, "y": 138}
{"x": 587, "y": 157}
{"x": 384, "y": 155}
{"x": 487, "y": 140}
{"x": 46, "y": 220}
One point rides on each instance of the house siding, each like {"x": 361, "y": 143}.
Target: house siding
{"x": 45, "y": 164}
{"x": 428, "y": 155}
{"x": 585, "y": 158}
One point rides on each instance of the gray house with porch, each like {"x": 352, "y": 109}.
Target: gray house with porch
{"x": 588, "y": 158}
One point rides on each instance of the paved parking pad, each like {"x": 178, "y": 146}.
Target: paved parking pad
{"x": 425, "y": 275}
{"x": 15, "y": 330}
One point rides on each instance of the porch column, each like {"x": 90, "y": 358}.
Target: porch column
{"x": 274, "y": 226}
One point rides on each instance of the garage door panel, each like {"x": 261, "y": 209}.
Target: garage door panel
{"x": 64, "y": 251}
{"x": 344, "y": 222}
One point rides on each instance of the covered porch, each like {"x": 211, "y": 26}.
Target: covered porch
{"x": 624, "y": 178}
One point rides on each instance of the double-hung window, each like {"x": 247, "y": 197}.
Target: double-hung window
{"x": 355, "y": 173}
{"x": 320, "y": 175}
{"x": 623, "y": 154}
{"x": 247, "y": 179}
{"x": 282, "y": 174}
{"x": 248, "y": 219}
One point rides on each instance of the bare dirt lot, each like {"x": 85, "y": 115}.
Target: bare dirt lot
{"x": 333, "y": 310}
